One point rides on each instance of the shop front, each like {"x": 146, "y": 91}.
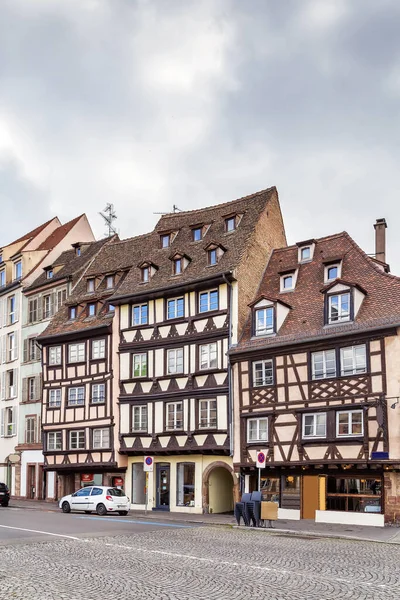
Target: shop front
{"x": 68, "y": 482}
{"x": 192, "y": 484}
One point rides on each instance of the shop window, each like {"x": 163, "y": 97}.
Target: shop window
{"x": 270, "y": 489}
{"x": 290, "y": 492}
{"x": 138, "y": 484}
{"x": 354, "y": 494}
{"x": 185, "y": 484}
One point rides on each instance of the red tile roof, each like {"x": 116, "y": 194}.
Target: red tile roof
{"x": 58, "y": 234}
{"x": 32, "y": 234}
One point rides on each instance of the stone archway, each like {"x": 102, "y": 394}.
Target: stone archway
{"x": 223, "y": 477}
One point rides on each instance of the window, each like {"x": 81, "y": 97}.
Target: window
{"x": 332, "y": 271}
{"x": 349, "y": 422}
{"x": 109, "y": 282}
{"x": 175, "y": 361}
{"x": 33, "y": 350}
{"x": 8, "y": 425}
{"x": 174, "y": 415}
{"x": 76, "y": 353}
{"x": 55, "y": 398}
{"x": 208, "y": 414}
{"x": 305, "y": 253}
{"x": 139, "y": 418}
{"x": 2, "y": 278}
{"x": 72, "y": 312}
{"x": 145, "y": 274}
{"x": 212, "y": 257}
{"x": 55, "y": 355}
{"x": 76, "y": 396}
{"x": 140, "y": 314}
{"x": 12, "y": 312}
{"x": 98, "y": 393}
{"x": 257, "y": 430}
{"x": 314, "y": 425}
{"x": 61, "y": 298}
{"x": 139, "y": 365}
{"x": 91, "y": 309}
{"x": 18, "y": 270}
{"x": 30, "y": 430}
{"x": 263, "y": 372}
{"x": 47, "y": 306}
{"x": 197, "y": 234}
{"x": 208, "y": 356}
{"x": 185, "y": 484}
{"x": 353, "y": 360}
{"x": 177, "y": 266}
{"x": 323, "y": 364}
{"x": 78, "y": 251}
{"x": 111, "y": 308}
{"x": 354, "y": 494}
{"x": 33, "y": 310}
{"x": 165, "y": 240}
{"x": 98, "y": 349}
{"x": 230, "y": 224}
{"x": 264, "y": 321}
{"x": 339, "y": 308}
{"x": 101, "y": 438}
{"x": 31, "y": 388}
{"x": 175, "y": 308}
{"x": 287, "y": 282}
{"x": 90, "y": 285}
{"x": 208, "y": 301}
{"x": 77, "y": 440}
{"x": 11, "y": 347}
{"x": 54, "y": 440}
{"x": 49, "y": 273}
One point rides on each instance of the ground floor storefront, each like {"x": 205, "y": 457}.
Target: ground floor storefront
{"x": 341, "y": 495}
{"x": 193, "y": 484}
{"x": 71, "y": 480}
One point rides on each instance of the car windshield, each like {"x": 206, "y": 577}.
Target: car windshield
{"x": 115, "y": 492}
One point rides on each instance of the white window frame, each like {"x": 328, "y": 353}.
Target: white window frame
{"x": 75, "y": 396}
{"x": 54, "y": 398}
{"x": 210, "y": 405}
{"x": 208, "y": 303}
{"x": 104, "y": 438}
{"x": 54, "y": 355}
{"x": 47, "y": 306}
{"x": 264, "y": 312}
{"x": 31, "y": 389}
{"x": 284, "y": 278}
{"x": 314, "y": 424}
{"x": 141, "y": 360}
{"x": 338, "y": 266}
{"x": 142, "y": 413}
{"x": 258, "y": 438}
{"x": 98, "y": 393}
{"x": 325, "y": 358}
{"x": 228, "y": 221}
{"x": 265, "y": 379}
{"x": 12, "y": 346}
{"x": 145, "y": 274}
{"x": 91, "y": 309}
{"x": 356, "y": 370}
{"x": 175, "y": 304}
{"x": 165, "y": 237}
{"x": 98, "y": 349}
{"x": 175, "y": 361}
{"x": 343, "y": 316}
{"x": 178, "y": 266}
{"x": 208, "y": 354}
{"x": 12, "y": 309}
{"x": 2, "y": 278}
{"x": 177, "y": 407}
{"x": 18, "y": 267}
{"x": 213, "y": 256}
{"x": 54, "y": 440}
{"x": 77, "y": 352}
{"x": 302, "y": 249}
{"x": 79, "y": 443}
{"x": 91, "y": 284}
{"x": 30, "y": 430}
{"x": 349, "y": 413}
{"x": 73, "y": 311}
{"x": 109, "y": 282}
{"x": 143, "y": 316}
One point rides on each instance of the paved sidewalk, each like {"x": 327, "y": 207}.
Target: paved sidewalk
{"x": 305, "y": 527}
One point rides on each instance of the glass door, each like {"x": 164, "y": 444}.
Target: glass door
{"x": 162, "y": 495}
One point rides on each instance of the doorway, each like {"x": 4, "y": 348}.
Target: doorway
{"x": 31, "y": 482}
{"x": 163, "y": 486}
{"x": 309, "y": 496}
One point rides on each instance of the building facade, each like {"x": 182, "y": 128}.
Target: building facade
{"x": 316, "y": 384}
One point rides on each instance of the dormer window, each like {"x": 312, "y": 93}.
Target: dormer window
{"x": 91, "y": 309}
{"x": 49, "y": 274}
{"x": 90, "y": 285}
{"x": 332, "y": 272}
{"x": 72, "y": 312}
{"x": 339, "y": 308}
{"x": 264, "y": 321}
{"x": 2, "y": 278}
{"x": 109, "y": 282}
{"x": 197, "y": 233}
{"x": 145, "y": 274}
{"x": 18, "y": 270}
{"x": 111, "y": 308}
{"x": 165, "y": 240}
{"x": 177, "y": 266}
{"x": 147, "y": 270}
{"x": 77, "y": 251}
{"x": 214, "y": 253}
{"x": 305, "y": 251}
{"x": 212, "y": 257}
{"x": 287, "y": 282}
{"x": 230, "y": 224}
{"x": 179, "y": 262}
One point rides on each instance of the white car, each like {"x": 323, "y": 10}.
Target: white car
{"x": 102, "y": 499}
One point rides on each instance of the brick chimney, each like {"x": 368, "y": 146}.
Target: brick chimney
{"x": 380, "y": 239}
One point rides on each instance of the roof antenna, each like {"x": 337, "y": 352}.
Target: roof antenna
{"x": 109, "y": 217}
{"x": 175, "y": 209}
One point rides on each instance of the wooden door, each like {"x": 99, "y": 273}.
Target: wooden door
{"x": 30, "y": 492}
{"x": 309, "y": 496}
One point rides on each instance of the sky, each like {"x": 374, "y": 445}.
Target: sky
{"x": 153, "y": 103}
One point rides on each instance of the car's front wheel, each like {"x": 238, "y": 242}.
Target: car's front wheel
{"x": 123, "y": 513}
{"x": 66, "y": 507}
{"x": 5, "y": 504}
{"x": 101, "y": 510}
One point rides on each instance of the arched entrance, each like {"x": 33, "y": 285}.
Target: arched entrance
{"x": 220, "y": 488}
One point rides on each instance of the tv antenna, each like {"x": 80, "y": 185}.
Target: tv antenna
{"x": 175, "y": 209}
{"x": 109, "y": 218}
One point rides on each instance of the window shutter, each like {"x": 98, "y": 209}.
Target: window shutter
{"x": 39, "y": 387}
{"x": 5, "y": 311}
{"x": 39, "y": 308}
{"x": 3, "y": 412}
{"x": 25, "y": 356}
{"x": 3, "y": 385}
{"x": 13, "y": 420}
{"x": 1, "y": 312}
{"x": 39, "y": 432}
{"x": 4, "y": 349}
{"x": 53, "y": 300}
{"x": 25, "y": 389}
{"x": 16, "y": 347}
{"x": 15, "y": 382}
{"x": 16, "y": 306}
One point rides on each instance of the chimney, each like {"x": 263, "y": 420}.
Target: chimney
{"x": 380, "y": 239}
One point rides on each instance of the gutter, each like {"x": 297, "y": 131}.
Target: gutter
{"x": 77, "y": 333}
{"x": 230, "y": 382}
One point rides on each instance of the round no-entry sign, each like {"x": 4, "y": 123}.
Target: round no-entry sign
{"x": 149, "y": 460}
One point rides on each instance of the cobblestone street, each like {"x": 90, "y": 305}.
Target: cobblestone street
{"x": 199, "y": 563}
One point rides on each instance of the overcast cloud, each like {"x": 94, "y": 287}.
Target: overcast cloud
{"x": 147, "y": 104}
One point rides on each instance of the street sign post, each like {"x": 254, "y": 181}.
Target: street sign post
{"x": 148, "y": 464}
{"x": 261, "y": 457}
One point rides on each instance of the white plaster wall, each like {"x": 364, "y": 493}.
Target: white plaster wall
{"x": 349, "y": 518}
{"x": 29, "y": 456}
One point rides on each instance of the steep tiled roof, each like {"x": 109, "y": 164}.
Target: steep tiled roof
{"x": 58, "y": 234}
{"x": 31, "y": 234}
{"x": 305, "y": 320}
{"x": 147, "y": 248}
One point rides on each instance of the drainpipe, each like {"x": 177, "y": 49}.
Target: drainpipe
{"x": 230, "y": 407}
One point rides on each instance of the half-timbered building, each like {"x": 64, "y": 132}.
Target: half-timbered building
{"x": 316, "y": 383}
{"x": 178, "y": 310}
{"x": 78, "y": 409}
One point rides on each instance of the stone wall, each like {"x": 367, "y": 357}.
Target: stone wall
{"x": 392, "y": 497}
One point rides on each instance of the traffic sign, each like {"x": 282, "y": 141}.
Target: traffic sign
{"x": 148, "y": 463}
{"x": 261, "y": 457}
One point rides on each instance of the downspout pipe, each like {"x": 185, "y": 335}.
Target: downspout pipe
{"x": 230, "y": 382}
